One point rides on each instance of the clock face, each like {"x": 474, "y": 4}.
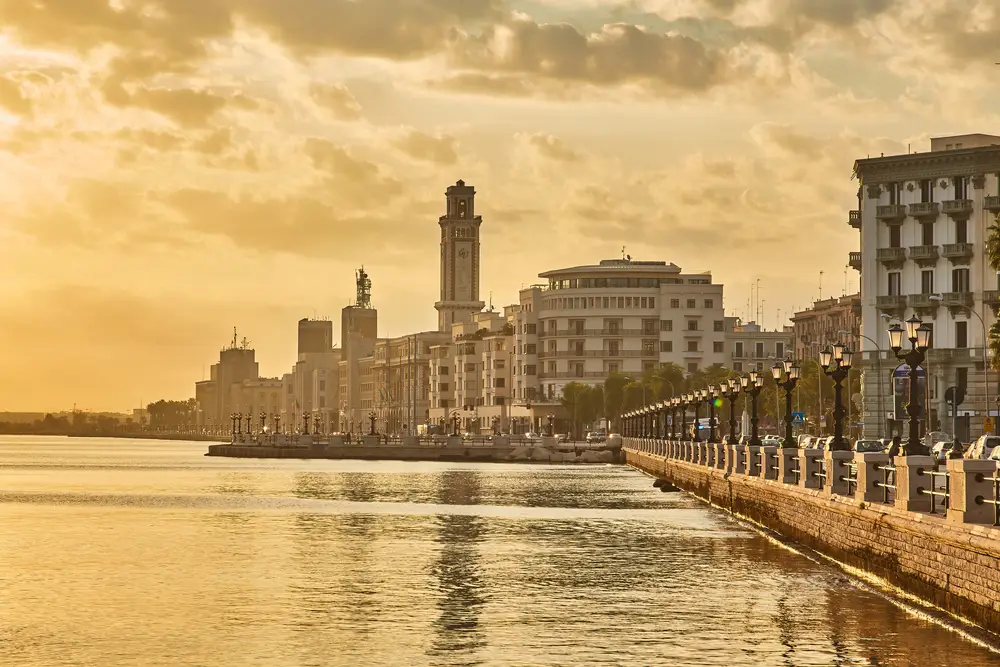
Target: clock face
{"x": 463, "y": 253}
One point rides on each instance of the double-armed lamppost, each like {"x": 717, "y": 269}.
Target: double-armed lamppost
{"x": 731, "y": 392}
{"x": 277, "y": 423}
{"x": 233, "y": 417}
{"x": 713, "y": 395}
{"x": 371, "y": 421}
{"x": 786, "y": 376}
{"x": 263, "y": 421}
{"x": 752, "y": 384}
{"x": 697, "y": 398}
{"x": 836, "y": 363}
{"x": 919, "y": 335}
{"x": 683, "y": 402}
{"x": 673, "y": 403}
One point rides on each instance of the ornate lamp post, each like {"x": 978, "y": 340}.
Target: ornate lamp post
{"x": 672, "y": 426}
{"x": 454, "y": 423}
{"x": 305, "y": 423}
{"x": 752, "y": 385}
{"x": 277, "y": 423}
{"x": 550, "y": 424}
{"x": 371, "y": 421}
{"x": 685, "y": 401}
{"x": 233, "y": 418}
{"x": 239, "y": 423}
{"x": 713, "y": 394}
{"x": 263, "y": 421}
{"x": 836, "y": 363}
{"x": 698, "y": 397}
{"x": 919, "y": 336}
{"x": 731, "y": 392}
{"x": 790, "y": 371}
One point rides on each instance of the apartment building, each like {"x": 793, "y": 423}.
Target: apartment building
{"x": 828, "y": 321}
{"x": 923, "y": 220}
{"x": 753, "y": 348}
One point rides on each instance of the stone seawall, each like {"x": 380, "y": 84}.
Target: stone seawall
{"x": 954, "y": 566}
{"x": 373, "y": 452}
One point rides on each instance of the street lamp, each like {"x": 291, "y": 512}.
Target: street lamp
{"x": 371, "y": 421}
{"x": 698, "y": 397}
{"x": 713, "y": 395}
{"x": 836, "y": 363}
{"x": 752, "y": 384}
{"x": 685, "y": 400}
{"x": 550, "y": 426}
{"x": 454, "y": 423}
{"x": 233, "y": 418}
{"x": 731, "y": 392}
{"x": 790, "y": 371}
{"x": 919, "y": 336}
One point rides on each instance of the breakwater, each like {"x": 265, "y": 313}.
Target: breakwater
{"x": 864, "y": 510}
{"x": 373, "y": 448}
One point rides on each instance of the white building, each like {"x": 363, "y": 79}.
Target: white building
{"x": 923, "y": 219}
{"x": 751, "y": 347}
{"x": 619, "y": 316}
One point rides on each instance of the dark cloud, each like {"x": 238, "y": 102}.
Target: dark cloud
{"x": 425, "y": 147}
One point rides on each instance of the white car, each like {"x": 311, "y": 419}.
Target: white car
{"x": 983, "y": 447}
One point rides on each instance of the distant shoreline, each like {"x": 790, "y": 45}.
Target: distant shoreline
{"x": 191, "y": 437}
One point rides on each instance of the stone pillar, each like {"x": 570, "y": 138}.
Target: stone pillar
{"x": 455, "y": 441}
{"x": 767, "y": 457}
{"x": 910, "y": 481}
{"x": 869, "y": 475}
{"x": 720, "y": 456}
{"x": 709, "y": 454}
{"x": 336, "y": 441}
{"x": 787, "y": 460}
{"x": 737, "y": 460}
{"x": 370, "y": 441}
{"x": 808, "y": 464}
{"x": 964, "y": 487}
{"x": 836, "y": 468}
{"x": 413, "y": 441}
{"x": 752, "y": 454}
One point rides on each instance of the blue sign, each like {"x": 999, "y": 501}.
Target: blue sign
{"x": 798, "y": 418}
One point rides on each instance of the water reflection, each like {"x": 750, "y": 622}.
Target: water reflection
{"x": 457, "y": 632}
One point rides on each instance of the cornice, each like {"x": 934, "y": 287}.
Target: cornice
{"x": 971, "y": 162}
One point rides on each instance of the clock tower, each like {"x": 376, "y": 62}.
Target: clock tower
{"x": 459, "y": 258}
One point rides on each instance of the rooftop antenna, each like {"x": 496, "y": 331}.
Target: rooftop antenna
{"x": 845, "y": 283}
{"x": 491, "y": 301}
{"x": 234, "y": 337}
{"x": 623, "y": 252}
{"x": 364, "y": 291}
{"x": 820, "y": 285}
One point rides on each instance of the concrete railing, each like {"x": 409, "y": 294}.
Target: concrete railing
{"x": 960, "y": 490}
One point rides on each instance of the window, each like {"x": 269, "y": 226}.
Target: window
{"x": 960, "y": 280}
{"x": 443, "y": 386}
{"x": 894, "y": 282}
{"x": 649, "y": 347}
{"x": 718, "y": 346}
{"x": 675, "y": 303}
{"x": 719, "y": 325}
{"x": 927, "y": 190}
{"x": 628, "y": 302}
{"x": 644, "y": 303}
{"x": 738, "y": 366}
{"x": 621, "y": 302}
{"x": 709, "y": 304}
{"x": 499, "y": 383}
{"x": 612, "y": 326}
{"x": 693, "y": 367}
{"x": 927, "y": 233}
{"x": 648, "y": 366}
{"x": 648, "y": 327}
{"x": 962, "y": 378}
{"x": 691, "y": 303}
{"x": 894, "y": 237}
{"x": 692, "y": 325}
{"x": 961, "y": 231}
{"x": 652, "y": 302}
{"x": 499, "y": 363}
{"x": 442, "y": 370}
{"x": 666, "y": 325}
{"x": 692, "y": 346}
{"x": 529, "y": 369}
{"x": 666, "y": 346}
{"x": 895, "y": 189}
{"x": 529, "y": 348}
{"x": 779, "y": 349}
{"x": 604, "y": 302}
{"x": 738, "y": 349}
{"x": 927, "y": 282}
{"x": 959, "y": 183}
{"x": 961, "y": 334}
{"x": 758, "y": 350}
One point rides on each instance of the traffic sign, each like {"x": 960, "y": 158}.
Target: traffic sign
{"x": 798, "y": 418}
{"x": 988, "y": 424}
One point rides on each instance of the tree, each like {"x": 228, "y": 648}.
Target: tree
{"x": 993, "y": 256}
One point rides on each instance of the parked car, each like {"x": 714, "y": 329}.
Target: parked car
{"x": 595, "y": 437}
{"x": 983, "y": 447}
{"x": 804, "y": 439}
{"x": 863, "y": 446}
{"x": 994, "y": 455}
{"x": 771, "y": 441}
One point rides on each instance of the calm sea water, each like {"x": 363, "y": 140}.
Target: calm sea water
{"x": 122, "y": 552}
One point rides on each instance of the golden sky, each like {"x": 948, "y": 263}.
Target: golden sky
{"x": 174, "y": 168}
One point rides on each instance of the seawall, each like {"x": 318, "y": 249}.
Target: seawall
{"x": 954, "y": 566}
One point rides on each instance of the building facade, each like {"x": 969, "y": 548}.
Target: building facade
{"x": 752, "y": 348}
{"x": 460, "y": 258}
{"x": 829, "y": 321}
{"x": 923, "y": 221}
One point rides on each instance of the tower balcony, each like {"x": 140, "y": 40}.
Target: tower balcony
{"x": 854, "y": 261}
{"x": 992, "y": 204}
{"x": 924, "y": 255}
{"x": 926, "y": 211}
{"x": 958, "y": 253}
{"x": 891, "y": 257}
{"x": 958, "y": 209}
{"x": 892, "y": 214}
{"x": 854, "y": 219}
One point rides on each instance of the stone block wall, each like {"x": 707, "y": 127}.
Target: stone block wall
{"x": 954, "y": 566}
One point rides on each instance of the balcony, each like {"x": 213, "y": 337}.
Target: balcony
{"x": 854, "y": 261}
{"x": 991, "y": 298}
{"x": 692, "y": 354}
{"x": 891, "y": 303}
{"x": 957, "y": 299}
{"x": 957, "y": 253}
{"x": 927, "y": 211}
{"x": 924, "y": 255}
{"x": 891, "y": 214}
{"x": 854, "y": 219}
{"x": 992, "y": 204}
{"x": 958, "y": 209}
{"x": 550, "y": 333}
{"x": 891, "y": 257}
{"x": 923, "y": 302}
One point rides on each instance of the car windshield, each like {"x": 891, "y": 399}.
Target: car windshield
{"x": 868, "y": 446}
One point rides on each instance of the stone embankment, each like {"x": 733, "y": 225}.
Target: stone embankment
{"x": 863, "y": 510}
{"x": 544, "y": 450}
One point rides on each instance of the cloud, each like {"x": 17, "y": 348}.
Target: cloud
{"x": 553, "y": 148}
{"x": 439, "y": 149}
{"x": 336, "y": 99}
{"x": 12, "y": 98}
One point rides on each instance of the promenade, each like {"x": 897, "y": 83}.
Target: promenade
{"x": 930, "y": 529}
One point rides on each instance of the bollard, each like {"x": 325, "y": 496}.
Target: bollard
{"x": 752, "y": 457}
{"x": 836, "y": 469}
{"x": 966, "y": 484}
{"x": 808, "y": 465}
{"x": 910, "y": 482}
{"x": 788, "y": 458}
{"x": 710, "y": 454}
{"x": 737, "y": 460}
{"x": 869, "y": 476}
{"x": 767, "y": 461}
{"x": 720, "y": 456}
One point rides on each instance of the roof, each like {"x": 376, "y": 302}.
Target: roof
{"x": 617, "y": 267}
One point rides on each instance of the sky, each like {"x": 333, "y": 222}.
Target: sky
{"x": 176, "y": 168}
